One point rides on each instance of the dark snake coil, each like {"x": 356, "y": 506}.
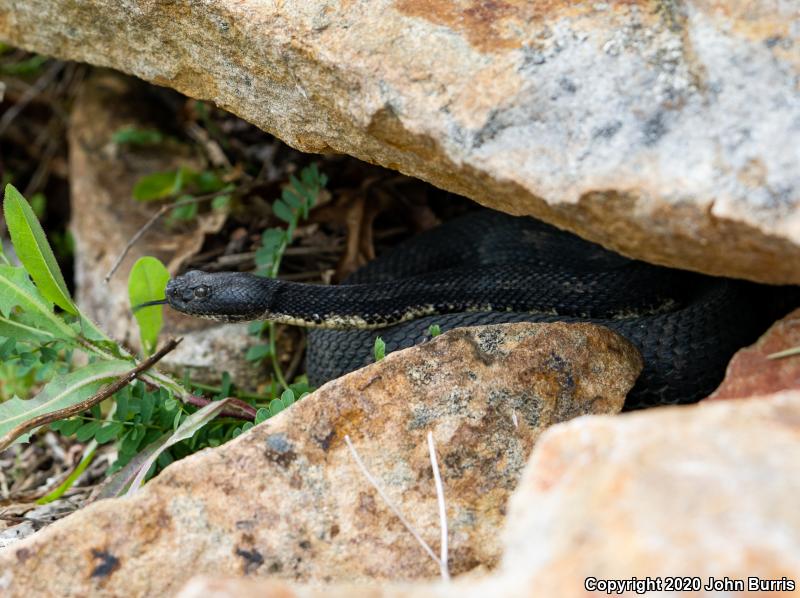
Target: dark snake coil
{"x": 487, "y": 268}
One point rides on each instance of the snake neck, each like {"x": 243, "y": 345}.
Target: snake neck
{"x": 241, "y": 297}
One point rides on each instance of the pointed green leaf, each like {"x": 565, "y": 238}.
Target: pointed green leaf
{"x": 147, "y": 282}
{"x": 61, "y": 392}
{"x": 17, "y": 290}
{"x": 34, "y": 251}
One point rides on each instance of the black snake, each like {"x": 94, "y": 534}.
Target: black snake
{"x": 488, "y": 267}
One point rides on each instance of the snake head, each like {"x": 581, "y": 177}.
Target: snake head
{"x": 225, "y": 296}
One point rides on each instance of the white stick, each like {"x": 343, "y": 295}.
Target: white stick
{"x": 389, "y": 503}
{"x": 442, "y": 511}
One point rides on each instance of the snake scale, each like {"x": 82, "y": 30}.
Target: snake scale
{"x": 487, "y": 267}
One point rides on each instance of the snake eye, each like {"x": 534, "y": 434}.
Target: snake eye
{"x": 201, "y": 292}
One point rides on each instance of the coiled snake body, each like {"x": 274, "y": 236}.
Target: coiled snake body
{"x": 488, "y": 267}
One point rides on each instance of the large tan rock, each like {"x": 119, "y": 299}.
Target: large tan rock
{"x": 706, "y": 491}
{"x": 665, "y": 130}
{"x": 692, "y": 492}
{"x": 287, "y": 499}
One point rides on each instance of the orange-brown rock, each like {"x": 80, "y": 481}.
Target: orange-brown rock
{"x": 752, "y": 372}
{"x": 287, "y": 500}
{"x": 699, "y": 492}
{"x": 665, "y": 130}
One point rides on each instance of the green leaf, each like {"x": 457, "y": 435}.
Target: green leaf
{"x": 22, "y": 332}
{"x": 134, "y": 136}
{"x": 187, "y": 429}
{"x": 275, "y": 407}
{"x": 34, "y": 251}
{"x": 283, "y": 211}
{"x": 207, "y": 181}
{"x": 27, "y": 66}
{"x": 61, "y": 392}
{"x": 221, "y": 202}
{"x": 379, "y": 349}
{"x": 70, "y": 426}
{"x": 159, "y": 185}
{"x": 434, "y": 330}
{"x": 17, "y": 290}
{"x": 3, "y": 259}
{"x": 147, "y": 282}
{"x": 272, "y": 238}
{"x": 287, "y": 397}
{"x": 121, "y": 414}
{"x": 147, "y": 404}
{"x": 87, "y": 430}
{"x": 108, "y": 432}
{"x": 261, "y": 415}
{"x": 7, "y": 349}
{"x": 257, "y": 352}
{"x": 291, "y": 199}
{"x": 226, "y": 385}
{"x": 130, "y": 441}
{"x": 184, "y": 212}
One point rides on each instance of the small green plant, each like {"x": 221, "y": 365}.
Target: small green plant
{"x": 379, "y": 350}
{"x": 190, "y": 188}
{"x": 434, "y": 330}
{"x": 26, "y": 66}
{"x": 113, "y": 398}
{"x": 297, "y": 199}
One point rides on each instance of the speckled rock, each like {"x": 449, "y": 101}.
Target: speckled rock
{"x": 105, "y": 218}
{"x": 702, "y": 492}
{"x": 669, "y": 131}
{"x": 751, "y": 372}
{"x": 287, "y": 499}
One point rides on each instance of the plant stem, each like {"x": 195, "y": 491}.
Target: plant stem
{"x": 242, "y": 394}
{"x": 276, "y": 366}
